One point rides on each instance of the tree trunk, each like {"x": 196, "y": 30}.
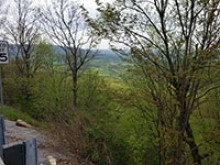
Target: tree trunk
{"x": 75, "y": 90}
{"x": 181, "y": 126}
{"x": 197, "y": 159}
{"x": 28, "y": 69}
{"x": 179, "y": 152}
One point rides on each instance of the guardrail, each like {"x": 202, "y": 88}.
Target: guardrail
{"x": 20, "y": 153}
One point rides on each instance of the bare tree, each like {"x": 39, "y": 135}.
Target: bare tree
{"x": 22, "y": 29}
{"x": 65, "y": 25}
{"x": 22, "y": 32}
{"x": 3, "y": 14}
{"x": 175, "y": 43}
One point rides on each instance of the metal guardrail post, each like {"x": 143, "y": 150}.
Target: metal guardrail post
{"x": 30, "y": 149}
{"x": 2, "y": 135}
{"x": 22, "y": 153}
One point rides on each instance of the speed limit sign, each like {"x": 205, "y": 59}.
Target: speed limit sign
{"x": 4, "y": 56}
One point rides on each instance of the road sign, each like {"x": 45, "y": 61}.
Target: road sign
{"x": 4, "y": 55}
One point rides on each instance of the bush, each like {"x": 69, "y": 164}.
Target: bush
{"x": 89, "y": 130}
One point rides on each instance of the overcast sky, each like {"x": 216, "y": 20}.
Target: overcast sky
{"x": 91, "y": 5}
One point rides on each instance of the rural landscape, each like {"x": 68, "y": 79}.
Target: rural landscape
{"x": 149, "y": 97}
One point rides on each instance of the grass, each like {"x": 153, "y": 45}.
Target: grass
{"x": 116, "y": 83}
{"x": 15, "y": 114}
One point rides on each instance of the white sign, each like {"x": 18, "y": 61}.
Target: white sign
{"x": 4, "y": 56}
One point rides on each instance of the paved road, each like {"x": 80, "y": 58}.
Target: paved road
{"x": 46, "y": 145}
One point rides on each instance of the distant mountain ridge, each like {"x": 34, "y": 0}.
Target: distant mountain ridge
{"x": 105, "y": 55}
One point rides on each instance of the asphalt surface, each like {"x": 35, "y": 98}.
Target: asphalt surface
{"x": 45, "y": 145}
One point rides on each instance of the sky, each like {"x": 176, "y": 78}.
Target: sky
{"x": 91, "y": 3}
{"x": 91, "y": 6}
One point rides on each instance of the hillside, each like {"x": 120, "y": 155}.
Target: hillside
{"x": 106, "y": 61}
{"x": 106, "y": 55}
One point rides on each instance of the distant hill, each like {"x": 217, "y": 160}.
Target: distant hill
{"x": 105, "y": 55}
{"x": 105, "y": 61}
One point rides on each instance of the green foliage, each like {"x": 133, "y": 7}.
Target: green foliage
{"x": 104, "y": 146}
{"x": 206, "y": 123}
{"x": 43, "y": 57}
{"x": 17, "y": 90}
{"x": 173, "y": 56}
{"x": 115, "y": 121}
{"x": 53, "y": 96}
{"x": 132, "y": 128}
{"x": 15, "y": 114}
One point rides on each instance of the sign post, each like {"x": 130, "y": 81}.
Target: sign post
{"x": 4, "y": 59}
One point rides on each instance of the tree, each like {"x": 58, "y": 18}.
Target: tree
{"x": 23, "y": 30}
{"x": 175, "y": 44}
{"x": 65, "y": 25}
{"x": 3, "y": 14}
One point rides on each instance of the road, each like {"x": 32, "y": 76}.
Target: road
{"x": 46, "y": 144}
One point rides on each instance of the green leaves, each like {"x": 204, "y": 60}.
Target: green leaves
{"x": 98, "y": 2}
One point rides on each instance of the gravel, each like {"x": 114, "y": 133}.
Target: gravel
{"x": 46, "y": 144}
